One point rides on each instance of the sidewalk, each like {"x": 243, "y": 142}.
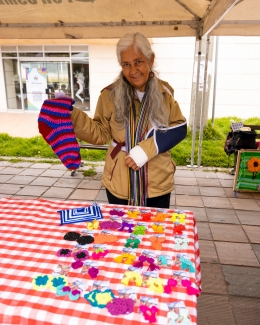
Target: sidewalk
{"x": 228, "y": 227}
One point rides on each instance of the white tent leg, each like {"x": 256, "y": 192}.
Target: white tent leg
{"x": 195, "y": 107}
{"x": 203, "y": 102}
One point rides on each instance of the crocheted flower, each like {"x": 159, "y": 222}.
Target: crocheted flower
{"x": 77, "y": 265}
{"x": 63, "y": 252}
{"x": 58, "y": 281}
{"x": 81, "y": 255}
{"x": 41, "y": 281}
{"x": 253, "y": 165}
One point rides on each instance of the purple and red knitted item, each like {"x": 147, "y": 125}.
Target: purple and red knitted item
{"x": 56, "y": 127}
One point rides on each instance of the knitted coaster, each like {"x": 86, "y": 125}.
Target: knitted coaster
{"x": 56, "y": 127}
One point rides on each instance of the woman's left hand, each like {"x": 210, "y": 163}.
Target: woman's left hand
{"x": 131, "y": 163}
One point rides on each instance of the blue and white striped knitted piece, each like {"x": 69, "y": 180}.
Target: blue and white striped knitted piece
{"x": 83, "y": 214}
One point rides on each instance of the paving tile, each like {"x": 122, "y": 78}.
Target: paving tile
{"x": 242, "y": 195}
{"x": 227, "y": 182}
{"x": 91, "y": 185}
{"x": 230, "y": 233}
{"x": 53, "y": 173}
{"x": 202, "y": 174}
{"x": 67, "y": 182}
{"x": 5, "y": 163}
{"x": 32, "y": 190}
{"x": 41, "y": 165}
{"x": 256, "y": 196}
{"x": 23, "y": 197}
{"x": 32, "y": 172}
{"x": 217, "y": 202}
{"x": 256, "y": 249}
{"x": 245, "y": 310}
{"x": 84, "y": 194}
{"x": 208, "y": 182}
{"x": 224, "y": 176}
{"x": 253, "y": 233}
{"x": 244, "y": 204}
{"x": 2, "y": 196}
{"x": 242, "y": 281}
{"x": 21, "y": 179}
{"x": 11, "y": 171}
{"x": 23, "y": 164}
{"x": 248, "y": 217}
{"x": 188, "y": 201}
{"x": 184, "y": 173}
{"x": 78, "y": 174}
{"x": 1, "y": 168}
{"x": 102, "y": 196}
{"x": 58, "y": 166}
{"x": 58, "y": 192}
{"x": 212, "y": 191}
{"x": 204, "y": 231}
{"x": 214, "y": 310}
{"x": 213, "y": 279}
{"x": 185, "y": 181}
{"x": 222, "y": 216}
{"x": 99, "y": 169}
{"x": 187, "y": 190}
{"x": 10, "y": 188}
{"x": 208, "y": 252}
{"x": 200, "y": 213}
{"x": 44, "y": 181}
{"x": 236, "y": 254}
{"x": 172, "y": 200}
{"x": 54, "y": 198}
{"x": 4, "y": 178}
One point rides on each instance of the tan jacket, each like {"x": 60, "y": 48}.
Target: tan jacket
{"x": 103, "y": 127}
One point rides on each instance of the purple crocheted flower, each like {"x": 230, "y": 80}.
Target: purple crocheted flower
{"x": 77, "y": 265}
{"x": 93, "y": 272}
{"x": 81, "y": 255}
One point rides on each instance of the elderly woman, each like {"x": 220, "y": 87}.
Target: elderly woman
{"x": 140, "y": 118}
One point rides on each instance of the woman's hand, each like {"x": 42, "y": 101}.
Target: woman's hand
{"x": 131, "y": 163}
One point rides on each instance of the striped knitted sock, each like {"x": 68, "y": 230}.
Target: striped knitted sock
{"x": 56, "y": 127}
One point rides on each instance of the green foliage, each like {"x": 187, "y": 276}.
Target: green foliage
{"x": 213, "y": 154}
{"x": 89, "y": 172}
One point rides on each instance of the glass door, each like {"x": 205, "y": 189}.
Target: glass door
{"x": 41, "y": 80}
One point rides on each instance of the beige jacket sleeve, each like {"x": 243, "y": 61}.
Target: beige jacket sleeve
{"x": 96, "y": 130}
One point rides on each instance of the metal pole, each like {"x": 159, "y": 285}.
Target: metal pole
{"x": 195, "y": 107}
{"x": 215, "y": 81}
{"x": 203, "y": 101}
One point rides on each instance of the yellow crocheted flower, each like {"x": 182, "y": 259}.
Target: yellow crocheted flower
{"x": 103, "y": 298}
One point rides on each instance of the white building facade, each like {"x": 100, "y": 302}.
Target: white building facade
{"x": 59, "y": 65}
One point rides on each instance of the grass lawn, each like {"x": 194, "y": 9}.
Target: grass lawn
{"x": 213, "y": 154}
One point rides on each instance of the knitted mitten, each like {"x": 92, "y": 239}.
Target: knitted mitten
{"x": 56, "y": 127}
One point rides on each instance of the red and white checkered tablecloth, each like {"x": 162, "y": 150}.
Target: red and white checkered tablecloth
{"x": 31, "y": 235}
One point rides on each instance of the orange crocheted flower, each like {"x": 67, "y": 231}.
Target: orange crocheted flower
{"x": 253, "y": 165}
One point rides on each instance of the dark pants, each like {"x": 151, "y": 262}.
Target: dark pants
{"x": 162, "y": 201}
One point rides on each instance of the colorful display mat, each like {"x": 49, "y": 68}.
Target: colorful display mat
{"x": 247, "y": 177}
{"x": 31, "y": 237}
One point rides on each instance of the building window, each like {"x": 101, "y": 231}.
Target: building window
{"x": 34, "y": 73}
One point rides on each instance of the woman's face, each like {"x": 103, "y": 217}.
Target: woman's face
{"x": 136, "y": 68}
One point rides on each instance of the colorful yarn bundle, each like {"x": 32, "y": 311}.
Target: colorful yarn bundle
{"x": 56, "y": 127}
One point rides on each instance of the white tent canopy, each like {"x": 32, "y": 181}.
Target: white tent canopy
{"x": 86, "y": 19}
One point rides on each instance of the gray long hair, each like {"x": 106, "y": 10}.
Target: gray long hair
{"x": 121, "y": 92}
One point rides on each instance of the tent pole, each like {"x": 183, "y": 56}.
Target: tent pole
{"x": 195, "y": 107}
{"x": 203, "y": 101}
{"x": 215, "y": 81}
